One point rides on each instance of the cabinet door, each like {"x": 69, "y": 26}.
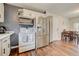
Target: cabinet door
{"x": 28, "y": 13}
{"x": 1, "y": 12}
{"x": 4, "y": 50}
{"x": 46, "y": 31}
{"x": 6, "y": 46}
{"x": 39, "y": 34}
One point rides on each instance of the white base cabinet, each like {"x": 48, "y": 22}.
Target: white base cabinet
{"x": 5, "y": 46}
{"x": 5, "y": 43}
{"x": 0, "y": 48}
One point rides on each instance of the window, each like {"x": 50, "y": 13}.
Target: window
{"x": 76, "y": 26}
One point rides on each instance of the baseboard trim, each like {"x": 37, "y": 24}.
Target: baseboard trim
{"x": 13, "y": 47}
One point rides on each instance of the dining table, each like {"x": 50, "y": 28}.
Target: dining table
{"x": 70, "y": 36}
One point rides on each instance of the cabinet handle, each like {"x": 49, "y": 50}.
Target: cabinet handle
{"x": 8, "y": 45}
{"x": 26, "y": 39}
{"x": 4, "y": 51}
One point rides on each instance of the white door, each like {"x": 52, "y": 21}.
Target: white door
{"x": 76, "y": 27}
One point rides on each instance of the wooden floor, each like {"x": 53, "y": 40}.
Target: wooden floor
{"x": 57, "y": 48}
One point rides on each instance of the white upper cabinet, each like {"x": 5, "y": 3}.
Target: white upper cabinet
{"x": 1, "y": 12}
{"x": 26, "y": 13}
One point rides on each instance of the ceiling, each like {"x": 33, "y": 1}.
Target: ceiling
{"x": 65, "y": 9}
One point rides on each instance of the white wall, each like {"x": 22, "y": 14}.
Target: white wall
{"x": 59, "y": 24}
{"x": 72, "y": 21}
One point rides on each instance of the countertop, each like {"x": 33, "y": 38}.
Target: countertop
{"x": 8, "y": 33}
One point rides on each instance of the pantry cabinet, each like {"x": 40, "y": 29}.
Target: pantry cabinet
{"x": 1, "y": 12}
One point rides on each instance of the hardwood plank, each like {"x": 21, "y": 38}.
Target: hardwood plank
{"x": 58, "y": 48}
